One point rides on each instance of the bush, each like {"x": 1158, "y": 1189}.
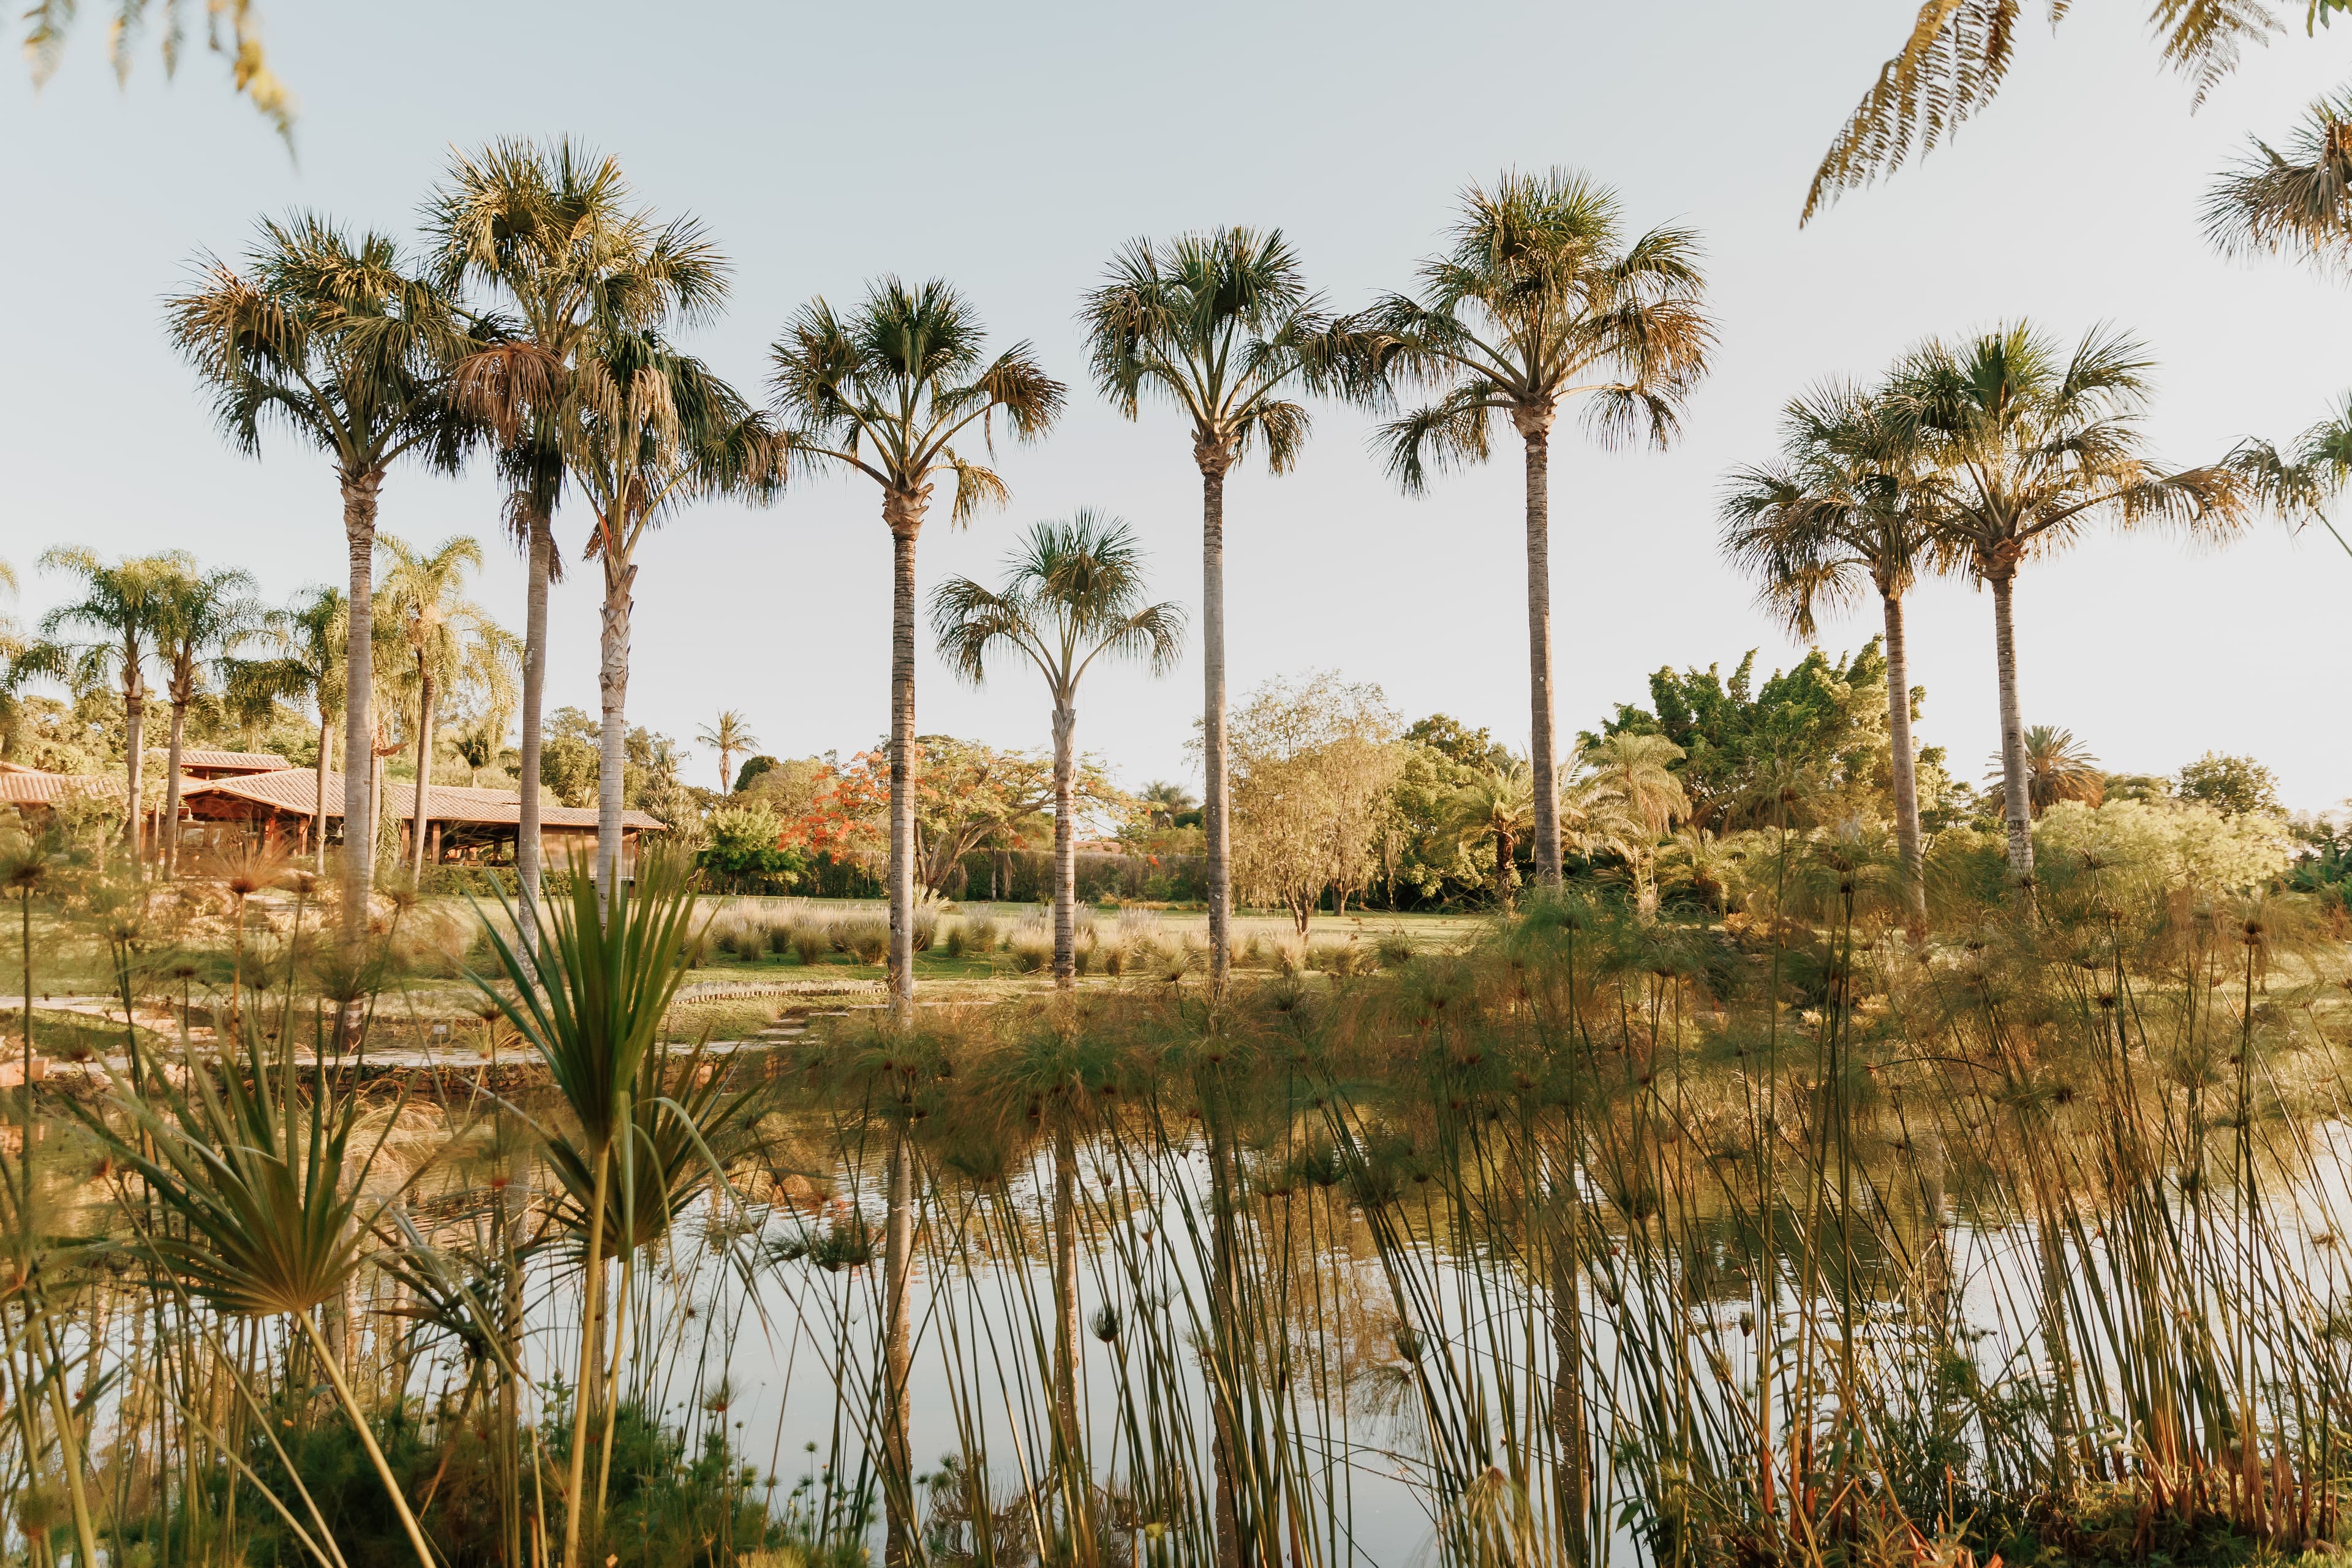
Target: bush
{"x": 984, "y": 933}
{"x": 810, "y": 941}
{"x": 1031, "y": 952}
{"x": 956, "y": 940}
{"x": 866, "y": 938}
{"x": 1395, "y": 950}
{"x": 782, "y": 936}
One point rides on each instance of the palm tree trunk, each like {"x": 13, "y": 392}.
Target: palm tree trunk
{"x": 534, "y": 687}
{"x": 1906, "y": 774}
{"x": 1503, "y": 868}
{"x": 319, "y": 788}
{"x": 359, "y": 682}
{"x": 427, "y": 698}
{"x": 1215, "y": 821}
{"x": 1065, "y": 1311}
{"x": 612, "y": 739}
{"x": 1066, "y": 854}
{"x": 2017, "y": 802}
{"x": 134, "y": 717}
{"x": 898, "y": 1359}
{"x": 170, "y": 827}
{"x": 1543, "y": 757}
{"x": 904, "y": 514}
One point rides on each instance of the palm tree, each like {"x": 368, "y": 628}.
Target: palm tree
{"x": 1540, "y": 300}
{"x": 1221, "y": 325}
{"x": 250, "y": 76}
{"x": 1849, "y": 502}
{"x": 1959, "y": 51}
{"x": 731, "y": 737}
{"x": 2299, "y": 483}
{"x": 2298, "y": 201}
{"x": 205, "y": 617}
{"x": 345, "y": 344}
{"x": 425, "y": 597}
{"x": 551, "y": 232}
{"x": 121, "y": 606}
{"x": 1634, "y": 775}
{"x": 1167, "y": 801}
{"x": 2057, "y": 766}
{"x": 652, "y": 430}
{"x": 2035, "y": 444}
{"x": 886, "y": 390}
{"x": 21, "y": 658}
{"x": 309, "y": 667}
{"x": 1073, "y": 593}
{"x": 1498, "y": 805}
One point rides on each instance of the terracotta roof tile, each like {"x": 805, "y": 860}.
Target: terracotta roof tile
{"x": 290, "y": 790}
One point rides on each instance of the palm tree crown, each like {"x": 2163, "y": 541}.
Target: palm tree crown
{"x": 2299, "y": 201}
{"x": 120, "y": 609}
{"x": 731, "y": 737}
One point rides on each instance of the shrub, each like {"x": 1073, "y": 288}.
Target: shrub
{"x": 982, "y": 931}
{"x": 810, "y": 941}
{"x": 782, "y": 936}
{"x": 1395, "y": 950}
{"x": 1290, "y": 954}
{"x": 1031, "y": 953}
{"x": 866, "y": 938}
{"x": 956, "y": 940}
{"x": 1115, "y": 957}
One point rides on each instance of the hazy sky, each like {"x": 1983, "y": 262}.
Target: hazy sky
{"x": 1012, "y": 148}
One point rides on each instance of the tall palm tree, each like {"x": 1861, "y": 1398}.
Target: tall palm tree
{"x": 1633, "y": 774}
{"x": 1073, "y": 593}
{"x": 2035, "y": 444}
{"x": 442, "y": 630}
{"x": 206, "y": 618}
{"x": 886, "y": 390}
{"x": 1850, "y": 502}
{"x": 1542, "y": 299}
{"x": 122, "y": 609}
{"x": 730, "y": 736}
{"x": 309, "y": 667}
{"x": 344, "y": 343}
{"x": 1221, "y": 325}
{"x": 551, "y": 233}
{"x": 1498, "y": 805}
{"x": 650, "y": 431}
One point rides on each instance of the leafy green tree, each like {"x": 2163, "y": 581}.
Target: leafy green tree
{"x": 348, "y": 346}
{"x": 1823, "y": 721}
{"x": 204, "y": 620}
{"x": 1848, "y": 504}
{"x": 1541, "y": 301}
{"x": 2234, "y": 786}
{"x": 751, "y": 771}
{"x": 2036, "y": 442}
{"x": 121, "y": 610}
{"x": 568, "y": 762}
{"x": 551, "y": 233}
{"x": 744, "y": 849}
{"x": 1447, "y": 735}
{"x": 887, "y": 392}
{"x": 1221, "y": 325}
{"x": 1073, "y": 594}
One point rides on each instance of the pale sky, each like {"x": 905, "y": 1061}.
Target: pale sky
{"x": 1012, "y": 148}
